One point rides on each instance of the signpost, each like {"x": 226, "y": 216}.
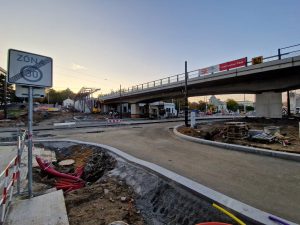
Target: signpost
{"x": 32, "y": 71}
{"x": 257, "y": 60}
{"x": 29, "y": 69}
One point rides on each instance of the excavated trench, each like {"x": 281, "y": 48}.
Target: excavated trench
{"x": 157, "y": 199}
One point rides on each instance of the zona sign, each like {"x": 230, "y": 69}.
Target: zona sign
{"x": 29, "y": 69}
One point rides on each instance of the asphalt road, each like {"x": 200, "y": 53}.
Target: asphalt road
{"x": 267, "y": 183}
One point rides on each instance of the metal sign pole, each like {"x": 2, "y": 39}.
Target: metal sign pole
{"x": 30, "y": 112}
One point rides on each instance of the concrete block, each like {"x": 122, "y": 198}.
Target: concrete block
{"x": 48, "y": 209}
{"x": 64, "y": 124}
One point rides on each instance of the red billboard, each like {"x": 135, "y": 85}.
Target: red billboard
{"x": 233, "y": 64}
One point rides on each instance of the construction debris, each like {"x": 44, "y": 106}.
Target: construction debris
{"x": 118, "y": 223}
{"x": 66, "y": 182}
{"x": 263, "y": 137}
{"x": 90, "y": 205}
{"x": 66, "y": 162}
{"x": 123, "y": 199}
{"x": 271, "y": 130}
{"x": 236, "y": 130}
{"x": 281, "y": 135}
{"x": 45, "y": 154}
{"x": 268, "y": 135}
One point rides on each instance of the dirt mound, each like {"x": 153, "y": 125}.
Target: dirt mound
{"x": 80, "y": 154}
{"x": 98, "y": 164}
{"x": 102, "y": 203}
{"x": 188, "y": 131}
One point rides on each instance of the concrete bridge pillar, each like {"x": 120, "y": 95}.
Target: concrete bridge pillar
{"x": 135, "y": 111}
{"x": 105, "y": 108}
{"x": 269, "y": 105}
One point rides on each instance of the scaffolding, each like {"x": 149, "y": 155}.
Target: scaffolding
{"x": 84, "y": 98}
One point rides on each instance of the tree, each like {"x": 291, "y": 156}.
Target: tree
{"x": 193, "y": 105}
{"x": 249, "y": 108}
{"x": 232, "y": 105}
{"x": 179, "y": 104}
{"x": 54, "y": 96}
{"x": 10, "y": 97}
{"x": 2, "y": 80}
{"x": 67, "y": 94}
{"x": 202, "y": 105}
{"x": 211, "y": 108}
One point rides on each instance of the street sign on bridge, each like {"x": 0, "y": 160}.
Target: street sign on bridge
{"x": 233, "y": 64}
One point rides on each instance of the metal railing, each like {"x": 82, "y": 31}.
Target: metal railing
{"x": 10, "y": 179}
{"x": 281, "y": 54}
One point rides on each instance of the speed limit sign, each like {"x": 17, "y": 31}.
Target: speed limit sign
{"x": 34, "y": 72}
{"x": 29, "y": 69}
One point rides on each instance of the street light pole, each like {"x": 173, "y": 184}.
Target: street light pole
{"x": 5, "y": 100}
{"x": 121, "y": 105}
{"x": 186, "y": 106}
{"x": 244, "y": 104}
{"x": 288, "y": 103}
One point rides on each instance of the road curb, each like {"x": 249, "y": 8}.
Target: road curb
{"x": 124, "y": 123}
{"x": 252, "y": 213}
{"x": 253, "y": 150}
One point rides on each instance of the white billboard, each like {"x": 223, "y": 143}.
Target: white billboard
{"x": 29, "y": 69}
{"x": 208, "y": 70}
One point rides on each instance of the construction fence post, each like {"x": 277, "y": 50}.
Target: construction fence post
{"x": 19, "y": 163}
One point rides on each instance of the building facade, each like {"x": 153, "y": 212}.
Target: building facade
{"x": 220, "y": 105}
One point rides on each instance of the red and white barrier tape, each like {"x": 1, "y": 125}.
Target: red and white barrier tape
{"x": 113, "y": 120}
{"x": 8, "y": 185}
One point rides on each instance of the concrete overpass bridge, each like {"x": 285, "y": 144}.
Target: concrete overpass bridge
{"x": 267, "y": 80}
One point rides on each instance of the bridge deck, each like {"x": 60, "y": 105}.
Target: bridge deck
{"x": 277, "y": 75}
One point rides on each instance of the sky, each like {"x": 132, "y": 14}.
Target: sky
{"x": 108, "y": 43}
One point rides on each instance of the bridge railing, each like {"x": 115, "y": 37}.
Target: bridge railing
{"x": 282, "y": 53}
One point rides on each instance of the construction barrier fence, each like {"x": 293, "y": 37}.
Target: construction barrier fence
{"x": 10, "y": 177}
